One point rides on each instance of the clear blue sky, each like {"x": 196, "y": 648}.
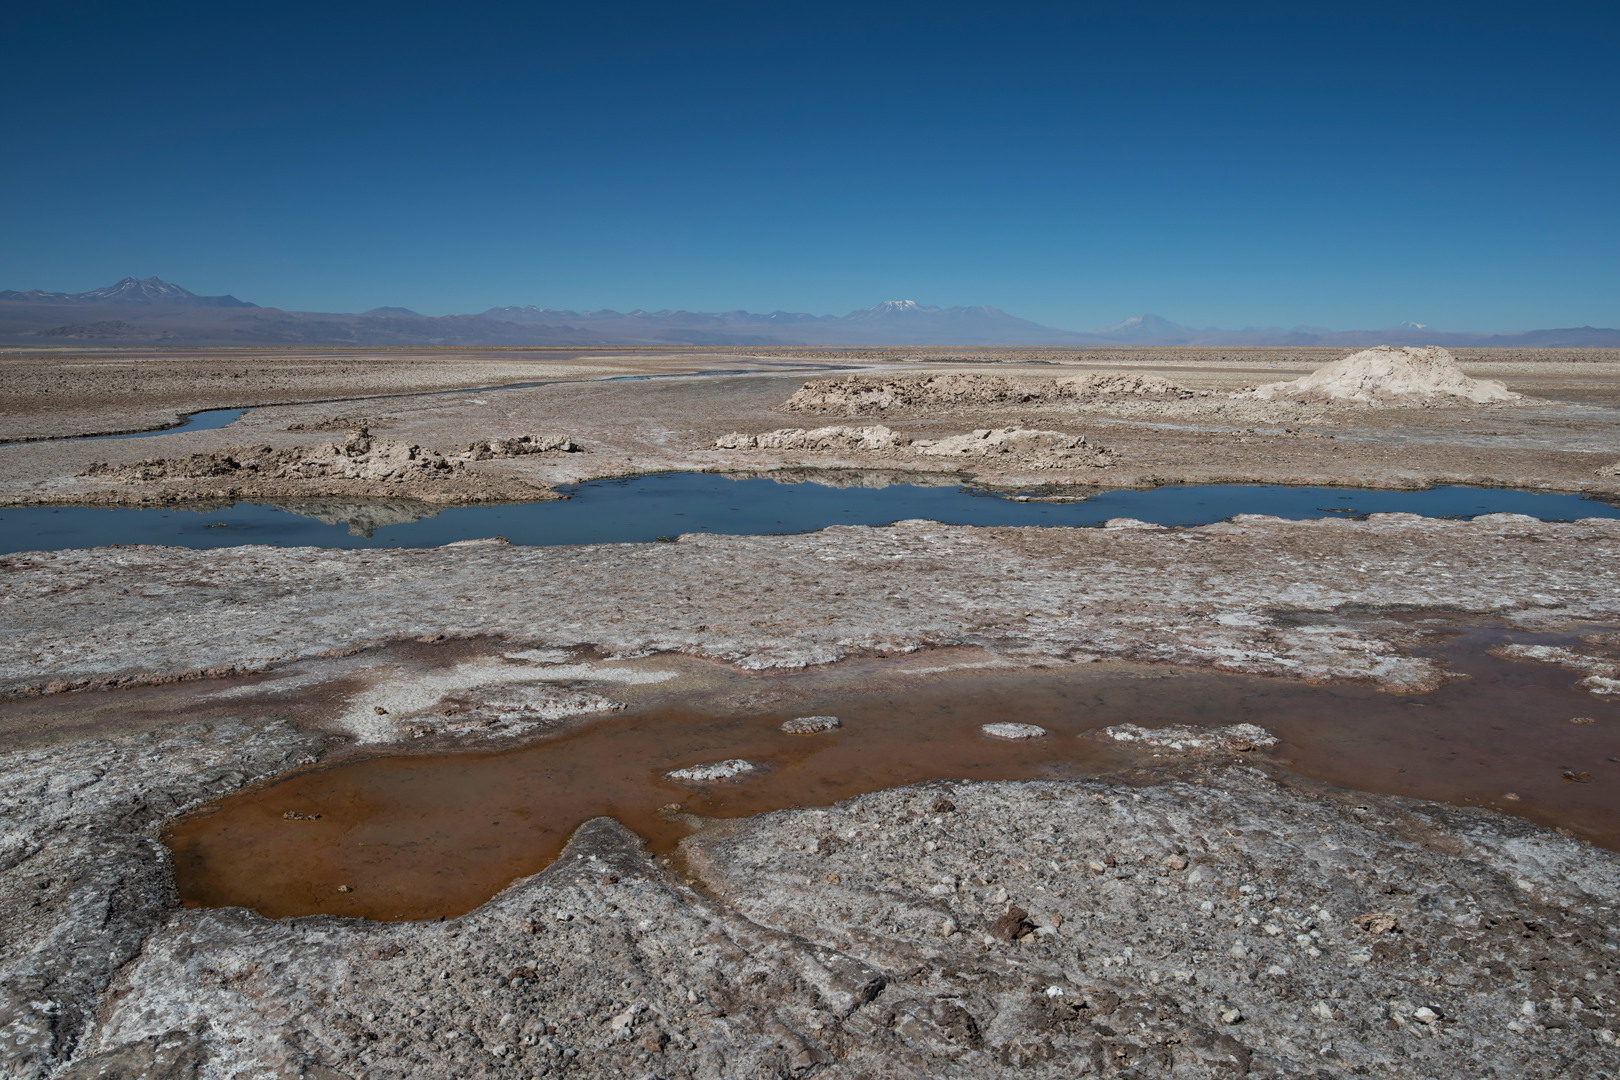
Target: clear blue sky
{"x": 1457, "y": 166}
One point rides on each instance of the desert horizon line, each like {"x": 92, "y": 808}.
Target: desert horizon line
{"x": 151, "y": 291}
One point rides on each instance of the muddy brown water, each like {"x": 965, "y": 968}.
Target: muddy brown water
{"x": 435, "y": 835}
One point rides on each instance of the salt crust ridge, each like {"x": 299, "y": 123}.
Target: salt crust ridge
{"x": 1217, "y": 595}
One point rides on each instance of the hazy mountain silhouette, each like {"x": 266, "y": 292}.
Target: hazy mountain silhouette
{"x": 148, "y": 292}
{"x": 136, "y": 311}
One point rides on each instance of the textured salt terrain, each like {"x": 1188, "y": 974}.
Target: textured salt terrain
{"x": 1258, "y": 595}
{"x": 1215, "y": 920}
{"x": 1204, "y": 914}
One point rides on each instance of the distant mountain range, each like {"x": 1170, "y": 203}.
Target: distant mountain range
{"x": 152, "y": 311}
{"x": 147, "y": 292}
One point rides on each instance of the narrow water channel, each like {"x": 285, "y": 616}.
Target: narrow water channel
{"x": 646, "y": 508}
{"x": 428, "y": 835}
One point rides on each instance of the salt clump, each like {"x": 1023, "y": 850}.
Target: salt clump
{"x": 1391, "y": 376}
{"x": 1013, "y": 731}
{"x": 810, "y": 725}
{"x": 718, "y": 770}
{"x": 1188, "y": 738}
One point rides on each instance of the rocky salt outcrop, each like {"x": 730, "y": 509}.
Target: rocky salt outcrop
{"x": 1610, "y": 470}
{"x": 1043, "y": 449}
{"x": 1034, "y": 448}
{"x": 362, "y": 465}
{"x": 876, "y": 437}
{"x": 1388, "y": 375}
{"x": 360, "y": 456}
{"x": 522, "y": 446}
{"x": 855, "y": 395}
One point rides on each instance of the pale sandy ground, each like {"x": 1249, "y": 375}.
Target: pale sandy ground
{"x": 671, "y": 423}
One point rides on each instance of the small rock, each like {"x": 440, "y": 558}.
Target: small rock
{"x": 1377, "y": 922}
{"x": 345, "y": 888}
{"x": 1012, "y": 925}
{"x": 1426, "y": 1015}
{"x": 1575, "y": 777}
{"x": 810, "y": 725}
{"x": 1013, "y": 731}
{"x": 943, "y": 805}
{"x": 379, "y": 710}
{"x": 1176, "y": 862}
{"x": 1582, "y": 720}
{"x": 1231, "y": 1016}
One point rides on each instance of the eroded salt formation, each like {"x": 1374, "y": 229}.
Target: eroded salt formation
{"x": 521, "y": 446}
{"x": 360, "y": 456}
{"x": 854, "y": 395}
{"x": 1038, "y": 449}
{"x": 1388, "y": 375}
{"x": 837, "y": 437}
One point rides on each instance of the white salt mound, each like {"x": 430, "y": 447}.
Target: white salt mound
{"x": 810, "y": 725}
{"x": 1391, "y": 376}
{"x": 718, "y": 770}
{"x": 1013, "y": 731}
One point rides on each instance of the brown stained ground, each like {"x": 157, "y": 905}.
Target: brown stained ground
{"x": 420, "y": 836}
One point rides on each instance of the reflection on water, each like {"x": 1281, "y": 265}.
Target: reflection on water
{"x": 645, "y": 508}
{"x": 362, "y": 516}
{"x": 419, "y": 836}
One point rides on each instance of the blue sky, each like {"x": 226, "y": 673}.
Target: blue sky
{"x": 1456, "y": 166}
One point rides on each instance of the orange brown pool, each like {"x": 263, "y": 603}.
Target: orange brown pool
{"x": 428, "y": 835}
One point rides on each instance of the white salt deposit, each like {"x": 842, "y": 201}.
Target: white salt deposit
{"x": 718, "y": 770}
{"x": 1185, "y": 737}
{"x": 1013, "y": 731}
{"x": 810, "y": 725}
{"x": 1389, "y": 375}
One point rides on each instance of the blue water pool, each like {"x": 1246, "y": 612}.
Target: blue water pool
{"x": 646, "y": 508}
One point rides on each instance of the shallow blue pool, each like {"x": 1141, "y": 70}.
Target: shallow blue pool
{"x": 646, "y": 508}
